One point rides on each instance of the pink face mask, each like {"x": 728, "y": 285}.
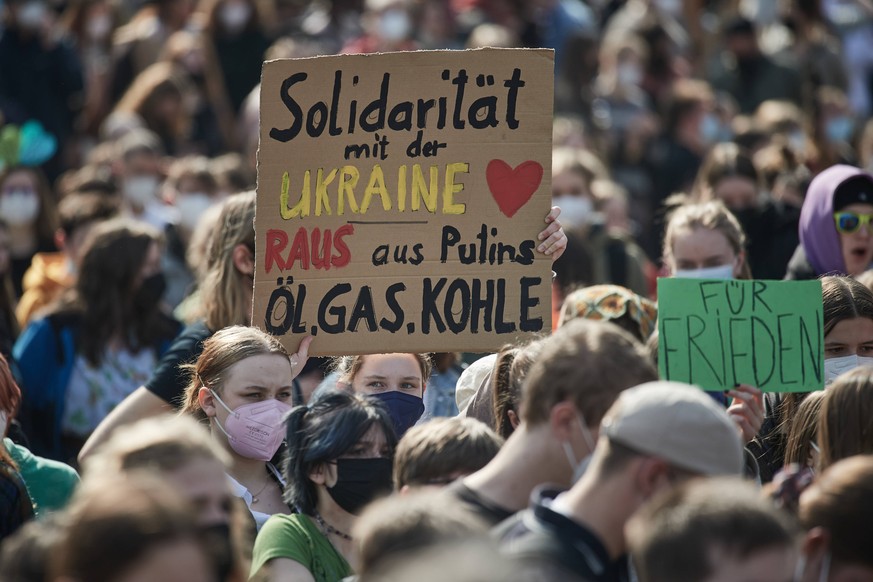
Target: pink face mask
{"x": 255, "y": 430}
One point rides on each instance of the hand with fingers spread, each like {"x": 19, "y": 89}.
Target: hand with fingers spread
{"x": 553, "y": 241}
{"x": 747, "y": 410}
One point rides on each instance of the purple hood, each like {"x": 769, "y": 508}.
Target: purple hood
{"x": 818, "y": 234}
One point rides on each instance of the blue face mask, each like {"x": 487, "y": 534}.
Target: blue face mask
{"x": 709, "y": 129}
{"x": 840, "y": 128}
{"x": 404, "y": 409}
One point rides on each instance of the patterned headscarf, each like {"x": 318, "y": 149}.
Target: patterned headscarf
{"x": 608, "y": 302}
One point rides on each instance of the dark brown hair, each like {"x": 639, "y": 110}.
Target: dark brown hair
{"x": 844, "y": 298}
{"x": 102, "y": 298}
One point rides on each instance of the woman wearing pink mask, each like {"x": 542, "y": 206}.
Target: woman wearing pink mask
{"x": 241, "y": 386}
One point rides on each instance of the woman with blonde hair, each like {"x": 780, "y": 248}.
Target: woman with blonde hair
{"x": 705, "y": 240}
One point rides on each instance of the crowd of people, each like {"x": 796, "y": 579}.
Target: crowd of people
{"x": 151, "y": 432}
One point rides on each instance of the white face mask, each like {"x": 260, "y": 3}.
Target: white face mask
{"x": 191, "y": 208}
{"x": 394, "y": 25}
{"x": 671, "y": 7}
{"x": 580, "y": 466}
{"x": 19, "y": 207}
{"x": 141, "y": 190}
{"x": 720, "y": 272}
{"x": 797, "y": 142}
{"x": 31, "y": 15}
{"x": 575, "y": 210}
{"x": 235, "y": 16}
{"x": 837, "y": 366}
{"x": 98, "y": 27}
{"x": 823, "y": 574}
{"x": 629, "y": 75}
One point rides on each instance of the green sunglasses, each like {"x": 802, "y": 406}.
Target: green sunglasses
{"x": 849, "y": 222}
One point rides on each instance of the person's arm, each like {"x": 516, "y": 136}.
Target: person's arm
{"x": 141, "y": 403}
{"x": 283, "y": 570}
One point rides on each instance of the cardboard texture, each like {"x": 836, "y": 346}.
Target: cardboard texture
{"x": 399, "y": 200}
{"x": 719, "y": 333}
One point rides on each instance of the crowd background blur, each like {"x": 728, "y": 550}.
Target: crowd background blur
{"x": 153, "y": 105}
{"x": 126, "y": 125}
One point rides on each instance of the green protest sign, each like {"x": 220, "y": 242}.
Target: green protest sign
{"x": 719, "y": 333}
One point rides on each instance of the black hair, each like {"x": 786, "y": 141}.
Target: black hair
{"x": 321, "y": 432}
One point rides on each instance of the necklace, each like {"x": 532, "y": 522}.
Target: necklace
{"x": 329, "y": 529}
{"x": 255, "y": 497}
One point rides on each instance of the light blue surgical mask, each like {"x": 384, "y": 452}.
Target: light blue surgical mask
{"x": 840, "y": 128}
{"x": 823, "y": 573}
{"x": 709, "y": 129}
{"x": 581, "y": 465}
{"x": 835, "y": 367}
{"x": 720, "y": 272}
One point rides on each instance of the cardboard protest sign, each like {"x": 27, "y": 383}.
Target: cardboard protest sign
{"x": 399, "y": 200}
{"x": 719, "y": 333}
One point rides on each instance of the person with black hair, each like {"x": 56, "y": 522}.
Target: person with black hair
{"x": 340, "y": 450}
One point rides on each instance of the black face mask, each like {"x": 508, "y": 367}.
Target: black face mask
{"x": 220, "y": 548}
{"x": 360, "y": 481}
{"x": 150, "y": 292}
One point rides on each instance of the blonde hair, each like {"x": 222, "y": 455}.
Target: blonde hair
{"x": 221, "y": 352}
{"x": 711, "y": 215}
{"x": 580, "y": 161}
{"x": 164, "y": 443}
{"x": 225, "y": 301}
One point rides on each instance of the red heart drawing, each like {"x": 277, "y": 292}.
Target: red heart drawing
{"x": 512, "y": 188}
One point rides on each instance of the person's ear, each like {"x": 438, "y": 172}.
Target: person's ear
{"x": 738, "y": 266}
{"x": 244, "y": 260}
{"x": 815, "y": 544}
{"x": 513, "y": 419}
{"x": 206, "y": 400}
{"x": 60, "y": 239}
{"x": 651, "y": 477}
{"x": 323, "y": 474}
{"x": 563, "y": 419}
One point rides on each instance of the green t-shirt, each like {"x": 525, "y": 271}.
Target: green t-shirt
{"x": 50, "y": 483}
{"x": 295, "y": 537}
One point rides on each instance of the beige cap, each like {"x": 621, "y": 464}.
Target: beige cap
{"x": 678, "y": 423}
{"x": 473, "y": 379}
